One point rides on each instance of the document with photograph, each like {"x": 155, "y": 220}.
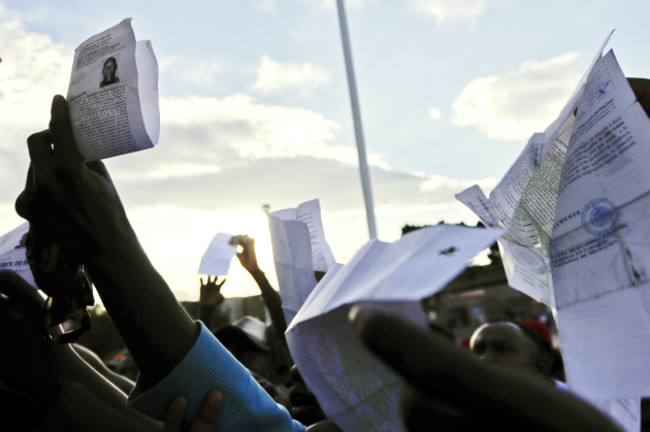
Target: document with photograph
{"x": 113, "y": 94}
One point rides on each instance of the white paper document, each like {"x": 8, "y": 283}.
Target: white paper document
{"x": 600, "y": 245}
{"x": 309, "y": 213}
{"x": 576, "y": 205}
{"x": 13, "y": 238}
{"x": 217, "y": 258}
{"x": 625, "y": 412}
{"x": 12, "y": 253}
{"x": 524, "y": 202}
{"x": 299, "y": 249}
{"x": 113, "y": 94}
{"x": 394, "y": 277}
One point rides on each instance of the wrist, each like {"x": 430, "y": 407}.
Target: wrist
{"x": 256, "y": 272}
{"x": 121, "y": 252}
{"x": 209, "y": 306}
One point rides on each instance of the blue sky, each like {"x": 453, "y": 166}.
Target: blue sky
{"x": 255, "y": 107}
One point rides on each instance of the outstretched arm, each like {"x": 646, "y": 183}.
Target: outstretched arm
{"x": 79, "y": 201}
{"x": 248, "y": 260}
{"x": 78, "y": 205}
{"x": 449, "y": 389}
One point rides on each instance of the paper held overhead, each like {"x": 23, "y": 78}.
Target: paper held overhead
{"x": 575, "y": 205}
{"x": 217, "y": 258}
{"x": 394, "y": 277}
{"x": 113, "y": 94}
{"x": 299, "y": 250}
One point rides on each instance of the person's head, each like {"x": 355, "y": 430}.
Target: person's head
{"x": 510, "y": 344}
{"x": 247, "y": 340}
{"x": 109, "y": 69}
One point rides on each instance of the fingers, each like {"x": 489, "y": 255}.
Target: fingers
{"x": 26, "y": 198}
{"x": 208, "y": 413}
{"x": 205, "y": 419}
{"x": 99, "y": 168}
{"x": 425, "y": 360}
{"x": 61, "y": 129}
{"x": 242, "y": 240}
{"x": 40, "y": 149}
{"x": 174, "y": 414}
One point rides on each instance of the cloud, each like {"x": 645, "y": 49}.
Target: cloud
{"x": 515, "y": 105}
{"x": 435, "y": 113}
{"x": 451, "y": 12}
{"x": 277, "y": 77}
{"x": 239, "y": 127}
{"x": 183, "y": 75}
{"x": 217, "y": 162}
{"x": 265, "y": 5}
{"x": 33, "y": 69}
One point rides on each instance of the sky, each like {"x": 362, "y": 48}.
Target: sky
{"x": 255, "y": 108}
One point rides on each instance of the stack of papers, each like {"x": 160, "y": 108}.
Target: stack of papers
{"x": 576, "y": 207}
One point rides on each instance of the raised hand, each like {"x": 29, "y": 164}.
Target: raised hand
{"x": 210, "y": 293}
{"x": 247, "y": 256}
{"x": 74, "y": 202}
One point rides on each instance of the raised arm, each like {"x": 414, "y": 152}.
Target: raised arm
{"x": 209, "y": 298}
{"x": 79, "y": 201}
{"x": 449, "y": 389}
{"x": 78, "y": 204}
{"x": 248, "y": 260}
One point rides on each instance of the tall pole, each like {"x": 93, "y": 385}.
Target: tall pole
{"x": 356, "y": 117}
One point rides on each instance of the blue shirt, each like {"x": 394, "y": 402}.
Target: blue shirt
{"x": 209, "y": 366}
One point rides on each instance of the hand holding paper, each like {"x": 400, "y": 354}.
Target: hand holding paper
{"x": 216, "y": 260}
{"x": 247, "y": 256}
{"x": 113, "y": 94}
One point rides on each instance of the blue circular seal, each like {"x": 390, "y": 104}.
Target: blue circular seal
{"x": 599, "y": 216}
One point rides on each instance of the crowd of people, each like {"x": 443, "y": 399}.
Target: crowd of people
{"x": 230, "y": 377}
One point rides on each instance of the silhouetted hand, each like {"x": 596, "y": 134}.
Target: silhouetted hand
{"x": 247, "y": 256}
{"x": 210, "y": 293}
{"x": 73, "y": 201}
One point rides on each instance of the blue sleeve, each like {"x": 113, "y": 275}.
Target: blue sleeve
{"x": 208, "y": 366}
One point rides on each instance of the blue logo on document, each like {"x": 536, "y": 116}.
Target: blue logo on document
{"x": 599, "y": 216}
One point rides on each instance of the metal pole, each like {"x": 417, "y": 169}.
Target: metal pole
{"x": 356, "y": 116}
